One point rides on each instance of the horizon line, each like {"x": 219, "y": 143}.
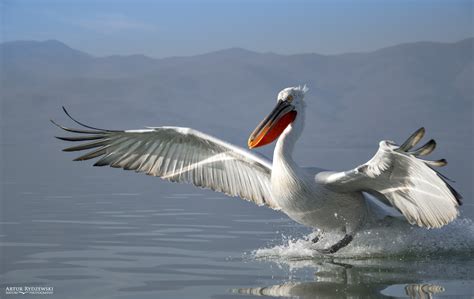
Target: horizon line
{"x": 238, "y": 48}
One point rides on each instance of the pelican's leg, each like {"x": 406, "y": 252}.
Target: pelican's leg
{"x": 317, "y": 237}
{"x": 334, "y": 248}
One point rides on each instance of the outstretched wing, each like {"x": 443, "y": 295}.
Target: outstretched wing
{"x": 179, "y": 155}
{"x": 396, "y": 174}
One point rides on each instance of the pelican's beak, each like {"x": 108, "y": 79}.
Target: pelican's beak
{"x": 273, "y": 125}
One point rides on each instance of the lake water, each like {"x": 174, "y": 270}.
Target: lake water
{"x": 104, "y": 233}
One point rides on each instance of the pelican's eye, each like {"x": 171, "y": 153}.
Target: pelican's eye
{"x": 289, "y": 98}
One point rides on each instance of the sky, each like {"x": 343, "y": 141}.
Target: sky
{"x": 189, "y": 27}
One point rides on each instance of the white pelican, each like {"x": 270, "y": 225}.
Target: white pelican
{"x": 327, "y": 200}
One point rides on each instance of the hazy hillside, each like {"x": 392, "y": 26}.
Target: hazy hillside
{"x": 354, "y": 100}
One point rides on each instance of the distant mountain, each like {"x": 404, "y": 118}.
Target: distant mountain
{"x": 355, "y": 99}
{"x": 39, "y": 58}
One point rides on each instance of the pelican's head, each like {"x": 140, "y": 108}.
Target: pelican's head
{"x": 289, "y": 102}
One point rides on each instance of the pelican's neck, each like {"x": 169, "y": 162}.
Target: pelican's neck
{"x": 283, "y": 154}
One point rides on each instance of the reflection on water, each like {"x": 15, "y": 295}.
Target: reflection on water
{"x": 423, "y": 291}
{"x": 323, "y": 290}
{"x": 135, "y": 243}
{"x": 374, "y": 278}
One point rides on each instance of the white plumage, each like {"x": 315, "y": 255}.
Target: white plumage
{"x": 181, "y": 155}
{"x": 408, "y": 183}
{"x": 330, "y": 201}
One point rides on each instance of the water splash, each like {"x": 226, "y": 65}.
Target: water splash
{"x": 391, "y": 237}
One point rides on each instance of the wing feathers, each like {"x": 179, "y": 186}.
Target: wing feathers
{"x": 81, "y": 138}
{"x": 419, "y": 192}
{"x": 75, "y": 130}
{"x": 413, "y": 139}
{"x": 85, "y": 146}
{"x": 91, "y": 155}
{"x": 425, "y": 149}
{"x": 437, "y": 163}
{"x": 178, "y": 155}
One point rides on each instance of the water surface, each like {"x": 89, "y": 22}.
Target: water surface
{"x": 103, "y": 233}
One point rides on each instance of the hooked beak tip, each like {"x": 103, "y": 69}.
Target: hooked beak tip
{"x": 250, "y": 144}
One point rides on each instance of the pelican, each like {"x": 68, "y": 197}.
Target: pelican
{"x": 329, "y": 201}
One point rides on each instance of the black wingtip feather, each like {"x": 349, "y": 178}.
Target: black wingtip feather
{"x": 455, "y": 193}
{"x": 80, "y": 138}
{"x": 100, "y": 164}
{"x": 91, "y": 155}
{"x": 440, "y": 174}
{"x": 84, "y": 125}
{"x": 56, "y": 124}
{"x": 445, "y": 180}
{"x": 426, "y": 149}
{"x": 413, "y": 139}
{"x": 76, "y": 130}
{"x": 86, "y": 146}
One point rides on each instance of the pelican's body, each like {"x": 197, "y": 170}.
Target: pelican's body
{"x": 310, "y": 203}
{"x": 328, "y": 201}
{"x": 302, "y": 198}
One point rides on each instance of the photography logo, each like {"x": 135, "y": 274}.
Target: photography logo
{"x": 29, "y": 290}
